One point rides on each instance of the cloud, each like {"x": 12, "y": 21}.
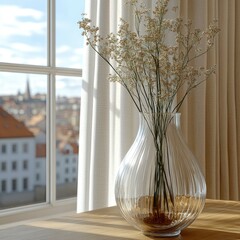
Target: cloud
{"x": 68, "y": 86}
{"x": 17, "y": 11}
{"x": 23, "y": 54}
{"x": 69, "y": 57}
{"x": 19, "y": 21}
{"x": 80, "y": 50}
{"x": 63, "y": 49}
{"x": 25, "y": 48}
{"x": 23, "y": 29}
{"x": 24, "y": 35}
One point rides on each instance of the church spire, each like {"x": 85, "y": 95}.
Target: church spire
{"x": 27, "y": 95}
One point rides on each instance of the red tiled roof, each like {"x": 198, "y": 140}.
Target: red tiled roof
{"x": 75, "y": 147}
{"x": 10, "y": 127}
{"x": 41, "y": 150}
{"x": 62, "y": 144}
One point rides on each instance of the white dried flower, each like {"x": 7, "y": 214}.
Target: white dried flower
{"x": 145, "y": 63}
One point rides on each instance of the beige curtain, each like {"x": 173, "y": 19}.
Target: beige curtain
{"x": 211, "y": 114}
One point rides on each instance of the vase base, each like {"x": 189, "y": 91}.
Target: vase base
{"x": 162, "y": 234}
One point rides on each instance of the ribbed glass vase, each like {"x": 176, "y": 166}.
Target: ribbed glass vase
{"x": 159, "y": 187}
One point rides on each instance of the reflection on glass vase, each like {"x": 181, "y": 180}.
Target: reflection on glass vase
{"x": 159, "y": 186}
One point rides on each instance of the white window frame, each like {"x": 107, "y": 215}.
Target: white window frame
{"x": 51, "y": 71}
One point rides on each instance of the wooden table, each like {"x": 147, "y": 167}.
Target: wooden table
{"x": 220, "y": 220}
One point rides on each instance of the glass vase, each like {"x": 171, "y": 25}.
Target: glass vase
{"x": 159, "y": 187}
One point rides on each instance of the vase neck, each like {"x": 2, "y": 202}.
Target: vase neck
{"x": 160, "y": 120}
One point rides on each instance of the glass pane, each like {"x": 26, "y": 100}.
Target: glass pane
{"x": 68, "y": 97}
{"x": 69, "y": 41}
{"x": 22, "y": 139}
{"x": 23, "y": 25}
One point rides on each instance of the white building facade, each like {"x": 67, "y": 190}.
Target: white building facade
{"x": 23, "y": 164}
{"x": 17, "y": 164}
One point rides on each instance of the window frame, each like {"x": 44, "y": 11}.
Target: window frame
{"x": 51, "y": 71}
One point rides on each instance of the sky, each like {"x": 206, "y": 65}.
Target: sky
{"x": 23, "y": 25}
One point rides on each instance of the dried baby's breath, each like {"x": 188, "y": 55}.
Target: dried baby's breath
{"x": 153, "y": 62}
{"x": 146, "y": 64}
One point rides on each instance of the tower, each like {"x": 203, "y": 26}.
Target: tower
{"x": 27, "y": 94}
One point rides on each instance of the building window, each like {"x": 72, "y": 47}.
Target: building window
{"x": 25, "y": 164}
{"x": 14, "y": 165}
{"x": 4, "y": 148}
{"x": 3, "y": 186}
{"x": 66, "y": 160}
{"x": 14, "y": 148}
{"x": 4, "y": 166}
{"x": 37, "y": 177}
{"x": 14, "y": 185}
{"x": 66, "y": 170}
{"x": 25, "y": 184}
{"x": 25, "y": 148}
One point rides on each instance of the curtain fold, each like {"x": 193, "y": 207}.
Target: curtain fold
{"x": 210, "y": 114}
{"x": 94, "y": 120}
{"x": 108, "y": 118}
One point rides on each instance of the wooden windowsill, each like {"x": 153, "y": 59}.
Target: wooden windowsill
{"x": 220, "y": 220}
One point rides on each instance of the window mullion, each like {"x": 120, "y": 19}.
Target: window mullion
{"x": 35, "y": 69}
{"x": 51, "y": 103}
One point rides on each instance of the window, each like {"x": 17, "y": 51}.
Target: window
{"x": 68, "y": 51}
{"x": 37, "y": 177}
{"x": 67, "y": 123}
{"x": 25, "y": 148}
{"x": 4, "y": 166}
{"x": 40, "y": 82}
{"x": 4, "y": 148}
{"x": 14, "y": 148}
{"x": 25, "y": 164}
{"x": 14, "y": 165}
{"x": 3, "y": 186}
{"x": 14, "y": 185}
{"x": 25, "y": 184}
